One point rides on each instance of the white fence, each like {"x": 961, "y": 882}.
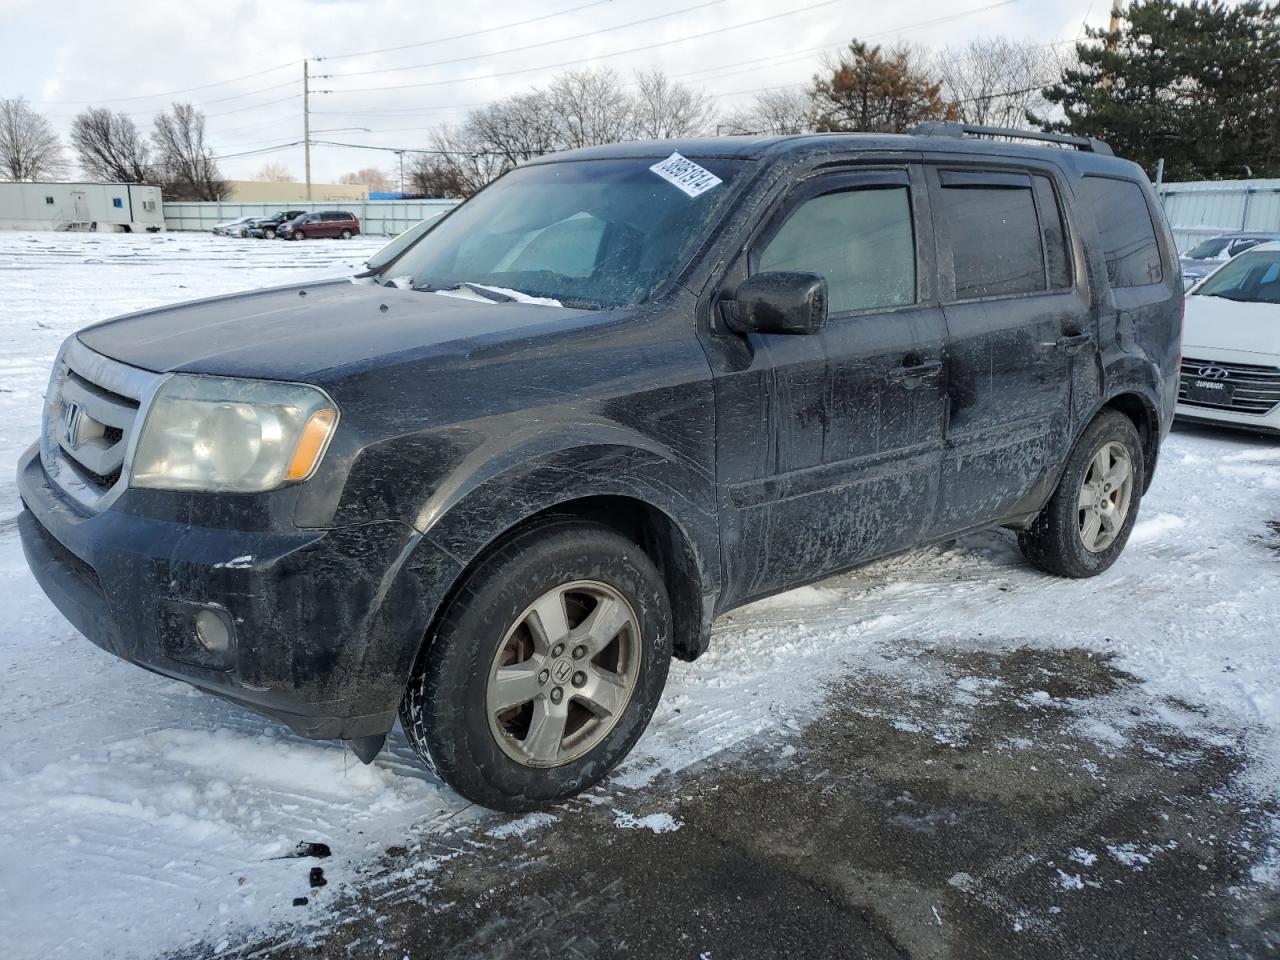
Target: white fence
{"x": 377, "y": 217}
{"x": 1196, "y": 209}
{"x": 1204, "y": 208}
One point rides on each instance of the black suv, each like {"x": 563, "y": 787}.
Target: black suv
{"x": 494, "y": 484}
{"x": 264, "y": 228}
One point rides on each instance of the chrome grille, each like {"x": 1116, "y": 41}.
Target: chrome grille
{"x": 92, "y": 409}
{"x": 1255, "y": 389}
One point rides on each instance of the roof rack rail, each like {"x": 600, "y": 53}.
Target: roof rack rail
{"x": 944, "y": 128}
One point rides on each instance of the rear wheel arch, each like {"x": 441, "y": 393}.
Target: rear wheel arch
{"x": 1142, "y": 412}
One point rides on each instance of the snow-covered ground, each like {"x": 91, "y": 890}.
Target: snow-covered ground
{"x": 138, "y": 816}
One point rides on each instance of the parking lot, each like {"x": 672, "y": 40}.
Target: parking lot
{"x": 946, "y": 754}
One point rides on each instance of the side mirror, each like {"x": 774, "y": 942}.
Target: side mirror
{"x": 779, "y": 302}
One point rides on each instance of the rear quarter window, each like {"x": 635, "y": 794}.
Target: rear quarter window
{"x": 1126, "y": 230}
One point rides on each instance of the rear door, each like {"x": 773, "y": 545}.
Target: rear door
{"x": 1018, "y": 320}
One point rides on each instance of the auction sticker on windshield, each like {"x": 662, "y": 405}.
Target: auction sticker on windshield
{"x": 686, "y": 175}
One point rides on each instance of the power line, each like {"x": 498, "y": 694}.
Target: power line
{"x": 531, "y": 46}
{"x": 169, "y": 93}
{"x": 603, "y": 56}
{"x": 465, "y": 36}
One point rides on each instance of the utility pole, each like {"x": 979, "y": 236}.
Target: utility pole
{"x": 306, "y": 124}
{"x": 401, "y": 155}
{"x": 1113, "y": 31}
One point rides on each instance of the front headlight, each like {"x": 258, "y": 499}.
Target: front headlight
{"x": 220, "y": 434}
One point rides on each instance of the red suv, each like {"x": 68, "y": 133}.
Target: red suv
{"x": 326, "y": 223}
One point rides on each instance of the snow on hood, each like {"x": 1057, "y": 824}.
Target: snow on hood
{"x": 1218, "y": 323}
{"x": 462, "y": 293}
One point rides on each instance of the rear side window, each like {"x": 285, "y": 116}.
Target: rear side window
{"x": 860, "y": 240}
{"x": 995, "y": 234}
{"x": 1127, "y": 233}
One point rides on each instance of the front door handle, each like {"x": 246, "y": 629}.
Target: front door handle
{"x": 911, "y": 375}
{"x": 1072, "y": 342}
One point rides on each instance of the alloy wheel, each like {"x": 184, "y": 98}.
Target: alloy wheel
{"x": 563, "y": 674}
{"x": 1105, "y": 497}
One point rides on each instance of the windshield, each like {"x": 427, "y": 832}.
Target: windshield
{"x": 397, "y": 246}
{"x": 1209, "y": 249}
{"x": 1252, "y": 277}
{"x": 588, "y": 233}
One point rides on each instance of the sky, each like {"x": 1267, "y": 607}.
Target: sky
{"x": 382, "y": 81}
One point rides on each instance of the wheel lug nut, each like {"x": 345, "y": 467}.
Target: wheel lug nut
{"x": 557, "y": 694}
{"x": 579, "y": 679}
{"x": 544, "y": 676}
{"x": 579, "y": 652}
{"x": 557, "y": 649}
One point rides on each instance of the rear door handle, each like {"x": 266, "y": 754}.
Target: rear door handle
{"x": 915, "y": 372}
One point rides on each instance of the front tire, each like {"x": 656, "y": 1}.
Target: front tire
{"x": 299, "y": 235}
{"x": 545, "y": 668}
{"x": 346, "y": 234}
{"x": 1084, "y": 527}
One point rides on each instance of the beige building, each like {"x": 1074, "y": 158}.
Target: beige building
{"x": 277, "y": 191}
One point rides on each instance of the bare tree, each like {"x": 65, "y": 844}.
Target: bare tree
{"x": 187, "y": 168}
{"x": 592, "y": 107}
{"x": 994, "y": 81}
{"x": 109, "y": 146}
{"x": 376, "y": 180}
{"x": 663, "y": 108}
{"x": 29, "y": 149}
{"x": 516, "y": 129}
{"x": 469, "y": 165}
{"x": 779, "y": 111}
{"x": 275, "y": 173}
{"x": 436, "y": 176}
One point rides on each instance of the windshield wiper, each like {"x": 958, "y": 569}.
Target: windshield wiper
{"x": 493, "y": 296}
{"x": 485, "y": 292}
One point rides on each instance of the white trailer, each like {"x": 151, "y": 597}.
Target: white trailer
{"x": 102, "y": 207}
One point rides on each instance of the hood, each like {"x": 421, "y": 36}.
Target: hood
{"x": 1215, "y": 322}
{"x": 1199, "y": 268}
{"x": 298, "y": 332}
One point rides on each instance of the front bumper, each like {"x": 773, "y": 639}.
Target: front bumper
{"x": 1210, "y": 417}
{"x": 326, "y": 622}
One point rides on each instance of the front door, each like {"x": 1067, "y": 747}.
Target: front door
{"x": 829, "y": 444}
{"x": 1018, "y": 318}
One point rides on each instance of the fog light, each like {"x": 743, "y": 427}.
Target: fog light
{"x": 212, "y": 632}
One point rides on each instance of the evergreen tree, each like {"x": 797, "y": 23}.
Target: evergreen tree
{"x": 873, "y": 90}
{"x": 1195, "y": 83}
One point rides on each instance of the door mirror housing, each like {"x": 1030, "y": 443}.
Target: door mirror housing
{"x": 779, "y": 302}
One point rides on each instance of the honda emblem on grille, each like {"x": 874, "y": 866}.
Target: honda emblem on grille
{"x": 1212, "y": 373}
{"x": 72, "y": 417}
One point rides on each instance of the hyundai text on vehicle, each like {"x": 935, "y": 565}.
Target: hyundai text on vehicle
{"x": 494, "y": 485}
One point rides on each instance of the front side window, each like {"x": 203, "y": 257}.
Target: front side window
{"x": 860, "y": 240}
{"x": 1252, "y": 277}
{"x": 995, "y": 234}
{"x": 1126, "y": 230}
{"x": 589, "y": 233}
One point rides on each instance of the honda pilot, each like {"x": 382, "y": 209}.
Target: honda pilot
{"x": 494, "y": 484}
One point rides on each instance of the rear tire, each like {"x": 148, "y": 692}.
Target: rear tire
{"x": 269, "y": 233}
{"x": 517, "y": 707}
{"x": 1084, "y": 527}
